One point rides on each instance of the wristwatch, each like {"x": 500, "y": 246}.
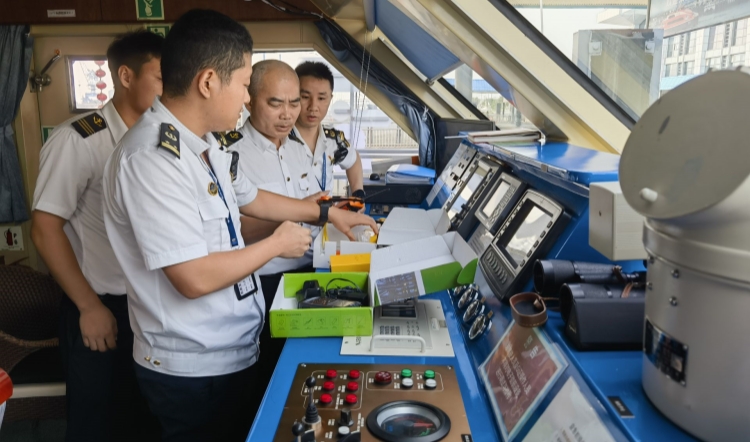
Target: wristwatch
{"x": 323, "y": 218}
{"x": 360, "y": 193}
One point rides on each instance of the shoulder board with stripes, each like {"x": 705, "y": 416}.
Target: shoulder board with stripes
{"x": 169, "y": 139}
{"x": 89, "y": 125}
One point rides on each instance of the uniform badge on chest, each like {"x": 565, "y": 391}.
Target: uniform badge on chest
{"x": 213, "y": 189}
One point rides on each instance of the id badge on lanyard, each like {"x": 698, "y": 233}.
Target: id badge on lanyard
{"x": 323, "y": 183}
{"x": 249, "y": 285}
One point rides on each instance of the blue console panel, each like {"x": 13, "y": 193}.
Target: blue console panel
{"x": 562, "y": 172}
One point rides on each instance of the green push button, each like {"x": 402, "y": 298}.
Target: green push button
{"x": 429, "y": 374}
{"x": 405, "y": 373}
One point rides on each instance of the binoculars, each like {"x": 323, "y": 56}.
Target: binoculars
{"x": 603, "y": 307}
{"x": 550, "y": 275}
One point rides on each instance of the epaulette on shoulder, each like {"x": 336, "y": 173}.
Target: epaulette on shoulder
{"x": 169, "y": 139}
{"x": 293, "y": 136}
{"x": 89, "y": 125}
{"x": 228, "y": 138}
{"x": 337, "y": 136}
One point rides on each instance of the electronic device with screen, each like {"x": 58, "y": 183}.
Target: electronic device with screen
{"x": 374, "y": 402}
{"x": 458, "y": 165}
{"x": 528, "y": 234}
{"x": 465, "y": 222}
{"x": 452, "y": 172}
{"x": 480, "y": 169}
{"x": 499, "y": 200}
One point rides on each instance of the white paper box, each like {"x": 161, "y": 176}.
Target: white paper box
{"x": 438, "y": 262}
{"x": 337, "y": 241}
{"x": 404, "y": 225}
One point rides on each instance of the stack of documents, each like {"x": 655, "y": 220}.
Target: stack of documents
{"x": 506, "y": 136}
{"x": 409, "y": 174}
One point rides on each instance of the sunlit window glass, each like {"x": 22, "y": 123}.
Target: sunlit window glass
{"x": 91, "y": 83}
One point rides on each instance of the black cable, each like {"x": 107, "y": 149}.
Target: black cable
{"x": 353, "y": 285}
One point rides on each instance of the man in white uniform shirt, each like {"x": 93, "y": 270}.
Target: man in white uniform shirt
{"x": 172, "y": 204}
{"x": 326, "y": 146}
{"x": 68, "y": 230}
{"x": 276, "y": 162}
{"x": 269, "y": 157}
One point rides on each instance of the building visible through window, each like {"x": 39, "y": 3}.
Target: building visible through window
{"x": 721, "y": 46}
{"x": 91, "y": 83}
{"x": 488, "y": 100}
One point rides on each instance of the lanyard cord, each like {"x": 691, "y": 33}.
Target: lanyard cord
{"x": 230, "y": 223}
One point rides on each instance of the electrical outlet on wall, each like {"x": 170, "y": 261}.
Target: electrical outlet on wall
{"x": 11, "y": 238}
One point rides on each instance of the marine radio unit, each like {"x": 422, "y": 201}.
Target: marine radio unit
{"x": 528, "y": 234}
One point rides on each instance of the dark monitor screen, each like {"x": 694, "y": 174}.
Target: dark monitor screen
{"x": 468, "y": 190}
{"x": 449, "y": 127}
{"x": 500, "y": 192}
{"x": 527, "y": 233}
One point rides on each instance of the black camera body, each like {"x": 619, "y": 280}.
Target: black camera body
{"x": 310, "y": 289}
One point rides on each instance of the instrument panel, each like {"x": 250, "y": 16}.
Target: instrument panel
{"x": 373, "y": 402}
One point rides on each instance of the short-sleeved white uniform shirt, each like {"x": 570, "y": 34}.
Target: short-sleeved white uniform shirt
{"x": 69, "y": 185}
{"x": 163, "y": 206}
{"x": 322, "y": 159}
{"x": 282, "y": 171}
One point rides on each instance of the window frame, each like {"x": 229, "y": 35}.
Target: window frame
{"x": 565, "y": 63}
{"x": 69, "y": 60}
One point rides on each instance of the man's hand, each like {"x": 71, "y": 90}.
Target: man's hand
{"x": 316, "y": 196}
{"x": 344, "y": 220}
{"x": 292, "y": 239}
{"x": 98, "y": 328}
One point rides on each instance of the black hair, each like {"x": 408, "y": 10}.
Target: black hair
{"x": 315, "y": 69}
{"x": 198, "y": 40}
{"x": 133, "y": 50}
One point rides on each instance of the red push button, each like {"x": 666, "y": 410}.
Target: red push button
{"x": 326, "y": 398}
{"x": 328, "y": 385}
{"x": 383, "y": 378}
{"x": 331, "y": 374}
{"x": 352, "y": 386}
{"x": 354, "y": 374}
{"x": 351, "y": 399}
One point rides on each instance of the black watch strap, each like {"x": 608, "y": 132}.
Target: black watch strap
{"x": 323, "y": 218}
{"x": 359, "y": 193}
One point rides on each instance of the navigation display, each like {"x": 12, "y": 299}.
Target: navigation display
{"x": 527, "y": 234}
{"x": 491, "y": 205}
{"x": 468, "y": 191}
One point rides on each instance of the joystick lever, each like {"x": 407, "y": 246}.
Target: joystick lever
{"x": 301, "y": 433}
{"x": 311, "y": 414}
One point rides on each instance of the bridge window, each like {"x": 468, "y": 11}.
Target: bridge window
{"x": 486, "y": 98}
{"x": 90, "y": 80}
{"x": 635, "y": 54}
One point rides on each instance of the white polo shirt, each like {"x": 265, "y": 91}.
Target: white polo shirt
{"x": 323, "y": 158}
{"x": 69, "y": 185}
{"x": 163, "y": 207}
{"x": 282, "y": 171}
